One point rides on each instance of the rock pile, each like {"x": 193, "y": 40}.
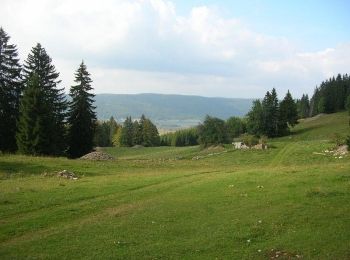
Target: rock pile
{"x": 68, "y": 175}
{"x": 341, "y": 150}
{"x": 97, "y": 156}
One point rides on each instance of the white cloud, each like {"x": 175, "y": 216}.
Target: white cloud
{"x": 146, "y": 46}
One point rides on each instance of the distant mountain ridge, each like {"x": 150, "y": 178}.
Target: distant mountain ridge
{"x": 162, "y": 107}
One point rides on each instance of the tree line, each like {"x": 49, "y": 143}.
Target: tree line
{"x": 35, "y": 117}
{"x": 132, "y": 132}
{"x": 332, "y": 95}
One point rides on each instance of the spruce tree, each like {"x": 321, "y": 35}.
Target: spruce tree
{"x": 81, "y": 115}
{"x": 10, "y": 92}
{"x": 271, "y": 114}
{"x": 288, "y": 111}
{"x": 150, "y": 134}
{"x": 40, "y": 63}
{"x": 255, "y": 119}
{"x": 137, "y": 133}
{"x": 34, "y": 120}
{"x": 126, "y": 135}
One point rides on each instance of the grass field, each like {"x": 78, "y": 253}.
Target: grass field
{"x": 159, "y": 203}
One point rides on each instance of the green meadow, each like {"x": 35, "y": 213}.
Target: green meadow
{"x": 288, "y": 202}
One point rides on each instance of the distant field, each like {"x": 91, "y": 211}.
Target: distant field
{"x": 183, "y": 203}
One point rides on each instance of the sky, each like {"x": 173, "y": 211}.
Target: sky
{"x": 197, "y": 47}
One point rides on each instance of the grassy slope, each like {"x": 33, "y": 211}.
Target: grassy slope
{"x": 159, "y": 203}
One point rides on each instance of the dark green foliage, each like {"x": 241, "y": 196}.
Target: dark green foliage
{"x": 142, "y": 132}
{"x": 82, "y": 117}
{"x": 288, "y": 110}
{"x": 331, "y": 95}
{"x": 235, "y": 127}
{"x": 39, "y": 63}
{"x": 212, "y": 131}
{"x": 105, "y": 130}
{"x": 126, "y": 136}
{"x": 347, "y": 104}
{"x": 303, "y": 106}
{"x": 249, "y": 140}
{"x": 265, "y": 117}
{"x": 255, "y": 119}
{"x": 137, "y": 133}
{"x": 272, "y": 126}
{"x": 10, "y": 91}
{"x": 34, "y": 127}
{"x": 102, "y": 134}
{"x": 347, "y": 141}
{"x": 183, "y": 137}
{"x": 321, "y": 107}
{"x": 150, "y": 134}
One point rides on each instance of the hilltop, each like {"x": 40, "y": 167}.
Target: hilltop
{"x": 169, "y": 110}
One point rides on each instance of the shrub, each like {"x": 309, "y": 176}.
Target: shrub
{"x": 263, "y": 139}
{"x": 338, "y": 139}
{"x": 347, "y": 141}
{"x": 249, "y": 140}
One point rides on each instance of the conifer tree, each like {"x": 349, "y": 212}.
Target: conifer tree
{"x": 288, "y": 111}
{"x": 150, "y": 134}
{"x": 81, "y": 115}
{"x": 137, "y": 133}
{"x": 255, "y": 119}
{"x": 40, "y": 63}
{"x": 32, "y": 137}
{"x": 113, "y": 127}
{"x": 10, "y": 91}
{"x": 212, "y": 131}
{"x": 271, "y": 114}
{"x": 126, "y": 135}
{"x": 303, "y": 106}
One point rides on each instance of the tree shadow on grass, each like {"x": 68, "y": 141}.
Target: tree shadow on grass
{"x": 18, "y": 169}
{"x": 304, "y": 130}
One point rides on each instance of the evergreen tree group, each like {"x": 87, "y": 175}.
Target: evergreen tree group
{"x": 35, "y": 117}
{"x": 271, "y": 117}
{"x": 212, "y": 131}
{"x": 105, "y": 131}
{"x": 183, "y": 137}
{"x": 138, "y": 132}
{"x": 331, "y": 96}
{"x": 303, "y": 106}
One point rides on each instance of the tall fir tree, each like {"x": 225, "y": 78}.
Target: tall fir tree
{"x": 137, "y": 133}
{"x": 271, "y": 114}
{"x": 255, "y": 119}
{"x": 126, "y": 135}
{"x": 10, "y": 92}
{"x": 303, "y": 106}
{"x": 81, "y": 115}
{"x": 150, "y": 134}
{"x": 34, "y": 119}
{"x": 288, "y": 111}
{"x": 40, "y": 63}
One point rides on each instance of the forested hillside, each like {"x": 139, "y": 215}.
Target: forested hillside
{"x": 169, "y": 107}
